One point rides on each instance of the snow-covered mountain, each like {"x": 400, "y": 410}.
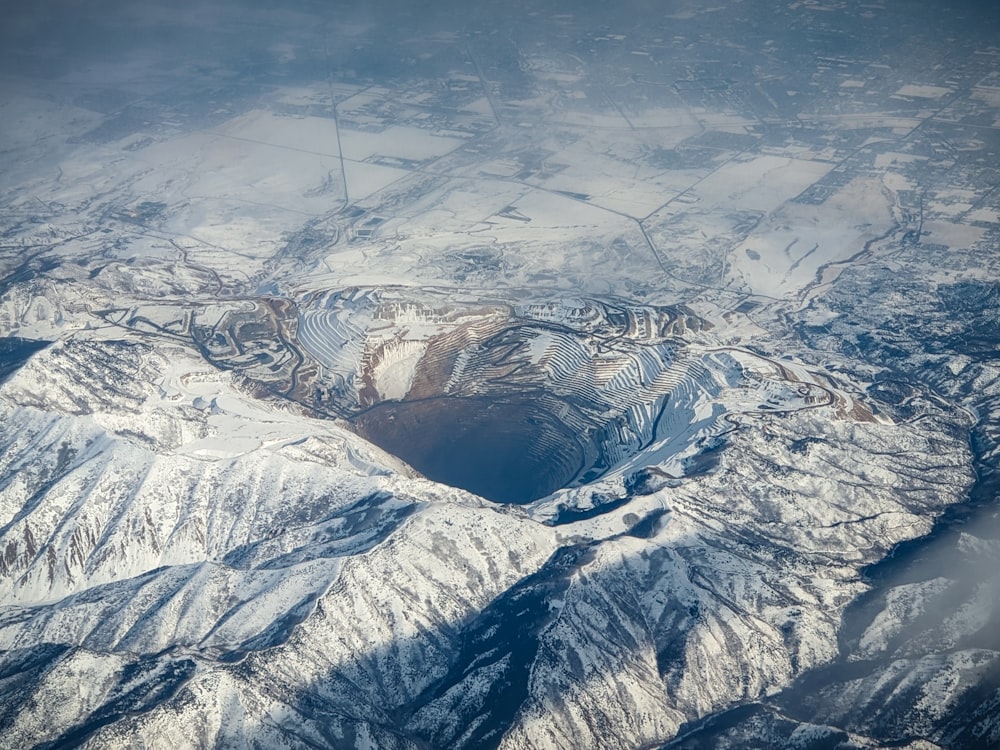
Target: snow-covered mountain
{"x": 515, "y": 376}
{"x": 226, "y": 569}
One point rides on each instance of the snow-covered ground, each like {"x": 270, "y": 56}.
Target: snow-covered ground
{"x": 756, "y": 282}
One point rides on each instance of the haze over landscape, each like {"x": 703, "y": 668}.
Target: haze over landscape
{"x": 523, "y": 375}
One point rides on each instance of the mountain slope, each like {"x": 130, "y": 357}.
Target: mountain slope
{"x": 240, "y": 573}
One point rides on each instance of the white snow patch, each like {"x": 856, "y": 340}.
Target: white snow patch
{"x": 394, "y": 373}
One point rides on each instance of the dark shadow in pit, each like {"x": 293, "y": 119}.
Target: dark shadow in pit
{"x": 506, "y": 449}
{"x": 14, "y": 352}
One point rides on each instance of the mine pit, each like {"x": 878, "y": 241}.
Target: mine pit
{"x": 505, "y": 449}
{"x": 512, "y": 402}
{"x": 514, "y": 409}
